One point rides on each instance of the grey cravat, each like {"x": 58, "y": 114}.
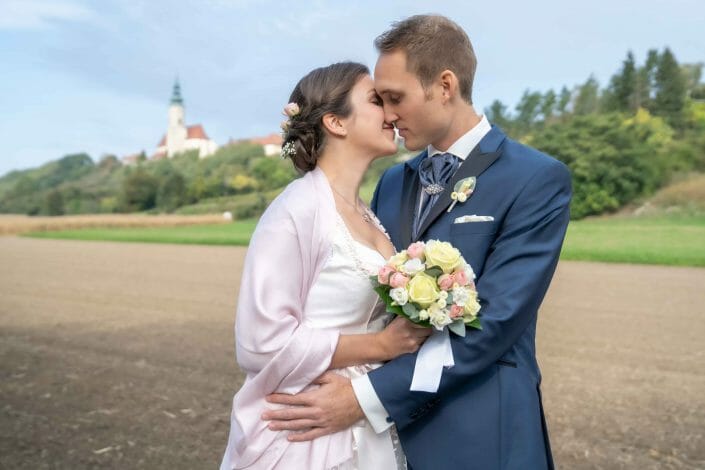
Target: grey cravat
{"x": 434, "y": 174}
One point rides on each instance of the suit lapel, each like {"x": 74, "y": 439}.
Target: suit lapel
{"x": 480, "y": 158}
{"x": 409, "y": 198}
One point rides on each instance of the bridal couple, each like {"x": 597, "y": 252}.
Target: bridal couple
{"x": 328, "y": 372}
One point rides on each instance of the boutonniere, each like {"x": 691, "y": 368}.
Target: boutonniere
{"x": 462, "y": 191}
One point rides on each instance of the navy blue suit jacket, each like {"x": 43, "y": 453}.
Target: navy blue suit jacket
{"x": 487, "y": 412}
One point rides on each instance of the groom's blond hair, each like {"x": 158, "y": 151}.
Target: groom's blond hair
{"x": 432, "y": 43}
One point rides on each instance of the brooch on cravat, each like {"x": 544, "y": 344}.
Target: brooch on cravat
{"x": 433, "y": 189}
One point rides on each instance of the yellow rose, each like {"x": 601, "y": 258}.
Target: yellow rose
{"x": 443, "y": 255}
{"x": 423, "y": 290}
{"x": 472, "y": 306}
{"x": 398, "y": 259}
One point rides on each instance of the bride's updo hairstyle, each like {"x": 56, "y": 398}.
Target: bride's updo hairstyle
{"x": 325, "y": 90}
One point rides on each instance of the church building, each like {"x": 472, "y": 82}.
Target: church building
{"x": 179, "y": 137}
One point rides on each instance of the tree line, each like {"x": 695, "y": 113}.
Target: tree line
{"x": 622, "y": 142}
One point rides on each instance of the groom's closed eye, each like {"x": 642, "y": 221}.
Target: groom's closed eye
{"x": 394, "y": 99}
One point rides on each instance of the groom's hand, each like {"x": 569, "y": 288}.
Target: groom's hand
{"x": 330, "y": 408}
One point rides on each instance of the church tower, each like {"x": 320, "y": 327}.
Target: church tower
{"x": 176, "y": 132}
{"x": 179, "y": 137}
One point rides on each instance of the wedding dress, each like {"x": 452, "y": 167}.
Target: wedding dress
{"x": 342, "y": 298}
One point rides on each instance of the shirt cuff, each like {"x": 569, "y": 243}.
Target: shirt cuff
{"x": 369, "y": 402}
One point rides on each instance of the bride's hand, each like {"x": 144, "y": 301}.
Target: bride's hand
{"x": 401, "y": 337}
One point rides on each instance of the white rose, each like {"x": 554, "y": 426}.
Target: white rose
{"x": 423, "y": 315}
{"x": 399, "y": 295}
{"x": 460, "y": 296}
{"x": 438, "y": 317}
{"x": 443, "y": 295}
{"x": 413, "y": 267}
{"x": 441, "y": 303}
{"x": 469, "y": 273}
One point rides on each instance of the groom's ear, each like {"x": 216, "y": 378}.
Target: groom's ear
{"x": 334, "y": 125}
{"x": 449, "y": 85}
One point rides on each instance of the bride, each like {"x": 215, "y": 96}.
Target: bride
{"x": 306, "y": 304}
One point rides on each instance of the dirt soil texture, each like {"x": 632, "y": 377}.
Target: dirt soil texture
{"x": 121, "y": 356}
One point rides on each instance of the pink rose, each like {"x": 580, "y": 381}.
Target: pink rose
{"x": 415, "y": 250}
{"x": 291, "y": 110}
{"x": 398, "y": 280}
{"x": 384, "y": 273}
{"x": 460, "y": 277}
{"x": 445, "y": 282}
{"x": 456, "y": 311}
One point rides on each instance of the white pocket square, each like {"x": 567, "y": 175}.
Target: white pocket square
{"x": 473, "y": 218}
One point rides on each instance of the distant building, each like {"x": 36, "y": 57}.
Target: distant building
{"x": 271, "y": 144}
{"x": 179, "y": 137}
{"x": 133, "y": 159}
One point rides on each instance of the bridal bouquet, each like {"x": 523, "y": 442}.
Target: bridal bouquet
{"x": 430, "y": 284}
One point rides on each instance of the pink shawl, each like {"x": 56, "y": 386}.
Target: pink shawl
{"x": 275, "y": 348}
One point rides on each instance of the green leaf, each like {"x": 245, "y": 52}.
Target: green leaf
{"x": 383, "y": 292}
{"x": 410, "y": 309}
{"x": 457, "y": 327}
{"x": 434, "y": 271}
{"x": 475, "y": 323}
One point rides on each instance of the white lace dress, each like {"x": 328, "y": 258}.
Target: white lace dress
{"x": 343, "y": 299}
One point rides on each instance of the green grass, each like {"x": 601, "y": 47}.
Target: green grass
{"x": 236, "y": 233}
{"x": 667, "y": 240}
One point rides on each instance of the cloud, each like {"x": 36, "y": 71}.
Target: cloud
{"x": 40, "y": 14}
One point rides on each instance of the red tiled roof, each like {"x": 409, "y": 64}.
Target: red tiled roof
{"x": 192, "y": 132}
{"x": 273, "y": 139}
{"x": 196, "y": 132}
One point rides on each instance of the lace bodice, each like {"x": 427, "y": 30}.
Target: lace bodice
{"x": 342, "y": 295}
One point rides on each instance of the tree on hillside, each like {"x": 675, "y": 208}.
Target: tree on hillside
{"x": 171, "y": 193}
{"x": 497, "y": 114}
{"x": 693, "y": 74}
{"x": 528, "y": 109}
{"x": 54, "y": 204}
{"x": 612, "y": 161}
{"x": 563, "y": 101}
{"x": 621, "y": 93}
{"x": 645, "y": 81}
{"x": 139, "y": 191}
{"x": 587, "y": 98}
{"x": 548, "y": 106}
{"x": 272, "y": 173}
{"x": 671, "y": 90}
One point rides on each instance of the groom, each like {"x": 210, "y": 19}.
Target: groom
{"x": 487, "y": 412}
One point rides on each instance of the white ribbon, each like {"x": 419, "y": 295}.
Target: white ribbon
{"x": 434, "y": 354}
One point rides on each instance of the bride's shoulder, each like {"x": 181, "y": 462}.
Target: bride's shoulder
{"x": 297, "y": 201}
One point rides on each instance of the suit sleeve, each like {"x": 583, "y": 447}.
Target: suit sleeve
{"x": 373, "y": 204}
{"x": 517, "y": 273}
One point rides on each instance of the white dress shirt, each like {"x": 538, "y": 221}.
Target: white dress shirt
{"x": 364, "y": 391}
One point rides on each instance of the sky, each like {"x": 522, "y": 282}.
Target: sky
{"x": 96, "y": 76}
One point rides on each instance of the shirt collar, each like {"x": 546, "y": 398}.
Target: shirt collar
{"x": 462, "y": 147}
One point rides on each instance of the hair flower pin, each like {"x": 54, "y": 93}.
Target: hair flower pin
{"x": 462, "y": 191}
{"x": 290, "y": 111}
{"x": 288, "y": 150}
